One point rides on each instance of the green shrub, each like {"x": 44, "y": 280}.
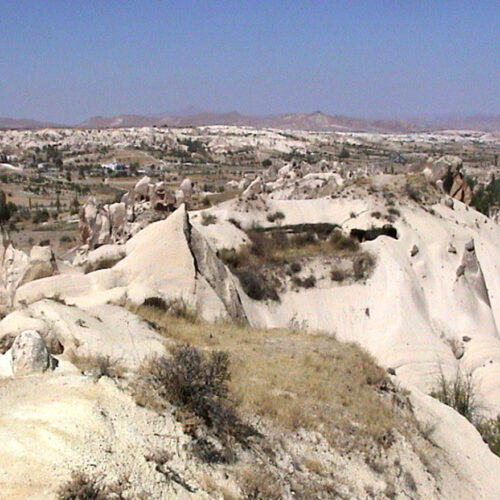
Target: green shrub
{"x": 207, "y": 219}
{"x": 255, "y": 286}
{"x": 275, "y": 216}
{"x": 309, "y": 282}
{"x": 458, "y": 393}
{"x": 490, "y": 432}
{"x": 487, "y": 197}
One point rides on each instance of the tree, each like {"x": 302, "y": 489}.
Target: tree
{"x": 5, "y": 209}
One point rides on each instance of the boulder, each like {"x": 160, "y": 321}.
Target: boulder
{"x": 104, "y": 257}
{"x": 448, "y": 202}
{"x": 30, "y": 354}
{"x": 187, "y": 187}
{"x": 20, "y": 320}
{"x": 42, "y": 264}
{"x": 142, "y": 187}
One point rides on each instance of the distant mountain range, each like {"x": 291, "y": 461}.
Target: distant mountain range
{"x": 316, "y": 121}
{"x": 25, "y": 123}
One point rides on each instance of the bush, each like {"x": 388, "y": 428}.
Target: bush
{"x": 413, "y": 193}
{"x": 84, "y": 487}
{"x": 363, "y": 266}
{"x": 197, "y": 383}
{"x": 257, "y": 483}
{"x": 343, "y": 243}
{"x": 490, "y": 432}
{"x": 394, "y": 211}
{"x": 344, "y": 153}
{"x": 156, "y": 302}
{"x": 458, "y": 393}
{"x": 487, "y": 197}
{"x": 275, "y": 216}
{"x": 41, "y": 216}
{"x": 254, "y": 285}
{"x": 309, "y": 282}
{"x": 207, "y": 219}
{"x": 65, "y": 239}
{"x": 338, "y": 275}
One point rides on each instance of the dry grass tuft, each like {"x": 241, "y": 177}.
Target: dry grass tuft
{"x": 98, "y": 365}
{"x": 257, "y": 483}
{"x": 85, "y": 487}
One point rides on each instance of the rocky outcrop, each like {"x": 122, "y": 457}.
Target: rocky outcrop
{"x": 255, "y": 188}
{"x": 42, "y": 264}
{"x": 470, "y": 269}
{"x": 448, "y": 170}
{"x": 217, "y": 275}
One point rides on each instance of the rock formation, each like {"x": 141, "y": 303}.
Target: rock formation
{"x": 448, "y": 170}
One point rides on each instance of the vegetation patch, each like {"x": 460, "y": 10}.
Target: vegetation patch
{"x": 291, "y": 378}
{"x": 208, "y": 219}
{"x": 197, "y": 383}
{"x": 262, "y": 265}
{"x": 87, "y": 487}
{"x": 97, "y": 366}
{"x": 460, "y": 393}
{"x": 486, "y": 198}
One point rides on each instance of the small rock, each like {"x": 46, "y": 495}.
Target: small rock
{"x": 460, "y": 270}
{"x": 451, "y": 248}
{"x": 466, "y": 338}
{"x": 30, "y": 354}
{"x": 469, "y": 246}
{"x": 414, "y": 251}
{"x": 448, "y": 202}
{"x": 391, "y": 371}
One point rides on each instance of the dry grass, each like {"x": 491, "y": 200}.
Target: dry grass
{"x": 278, "y": 247}
{"x": 97, "y": 365}
{"x": 257, "y": 483}
{"x": 260, "y": 265}
{"x": 85, "y": 487}
{"x": 297, "y": 379}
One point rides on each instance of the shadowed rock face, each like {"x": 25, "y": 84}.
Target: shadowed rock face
{"x": 372, "y": 234}
{"x": 215, "y": 272}
{"x": 470, "y": 270}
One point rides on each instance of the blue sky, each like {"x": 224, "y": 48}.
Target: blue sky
{"x": 65, "y": 60}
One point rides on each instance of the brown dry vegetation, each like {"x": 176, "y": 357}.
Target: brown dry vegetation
{"x": 296, "y": 379}
{"x": 260, "y": 265}
{"x": 97, "y": 365}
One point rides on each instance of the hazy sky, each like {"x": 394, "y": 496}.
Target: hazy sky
{"x": 65, "y": 60}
